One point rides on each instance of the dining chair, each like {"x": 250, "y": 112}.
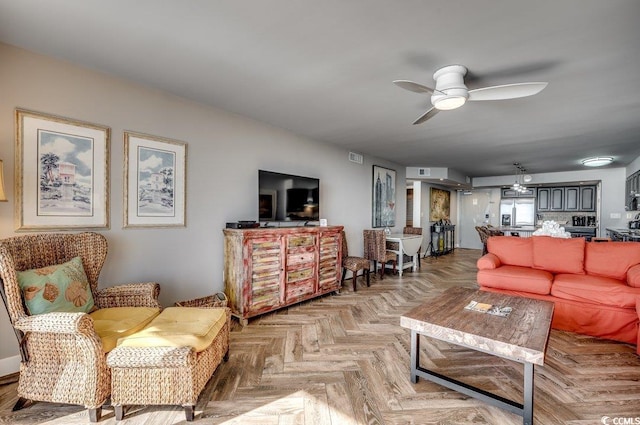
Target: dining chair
{"x": 375, "y": 249}
{"x": 354, "y": 264}
{"x": 410, "y": 230}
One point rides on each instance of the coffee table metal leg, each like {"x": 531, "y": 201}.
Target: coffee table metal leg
{"x": 527, "y": 409}
{"x": 415, "y": 355}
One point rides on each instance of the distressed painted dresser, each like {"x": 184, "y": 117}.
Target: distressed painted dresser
{"x": 269, "y": 268}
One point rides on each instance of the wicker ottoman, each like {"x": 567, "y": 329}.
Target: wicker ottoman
{"x": 164, "y": 375}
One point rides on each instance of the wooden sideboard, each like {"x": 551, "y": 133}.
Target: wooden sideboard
{"x": 269, "y": 268}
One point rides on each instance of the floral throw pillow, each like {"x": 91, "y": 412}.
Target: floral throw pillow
{"x": 62, "y": 288}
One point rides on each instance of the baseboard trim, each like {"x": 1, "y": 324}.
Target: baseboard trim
{"x": 9, "y": 365}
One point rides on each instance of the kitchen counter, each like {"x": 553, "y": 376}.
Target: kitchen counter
{"x": 623, "y": 234}
{"x": 523, "y": 231}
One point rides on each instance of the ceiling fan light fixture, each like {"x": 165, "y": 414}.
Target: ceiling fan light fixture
{"x": 597, "y": 161}
{"x": 447, "y": 103}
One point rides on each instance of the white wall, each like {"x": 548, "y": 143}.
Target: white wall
{"x": 225, "y": 152}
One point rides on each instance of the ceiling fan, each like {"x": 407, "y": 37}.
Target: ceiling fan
{"x": 451, "y": 92}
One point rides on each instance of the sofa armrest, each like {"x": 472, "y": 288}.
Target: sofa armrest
{"x": 128, "y": 295}
{"x": 57, "y": 322}
{"x": 488, "y": 261}
{"x": 633, "y": 276}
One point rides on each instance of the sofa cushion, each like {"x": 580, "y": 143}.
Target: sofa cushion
{"x": 594, "y": 290}
{"x": 115, "y": 322}
{"x": 633, "y": 276}
{"x": 180, "y": 327}
{"x": 511, "y": 251}
{"x": 61, "y": 288}
{"x": 516, "y": 278}
{"x": 558, "y": 255}
{"x": 611, "y": 259}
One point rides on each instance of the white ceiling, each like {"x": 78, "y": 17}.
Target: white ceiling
{"x": 324, "y": 69}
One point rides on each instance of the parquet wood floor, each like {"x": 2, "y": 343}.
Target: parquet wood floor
{"x": 344, "y": 360}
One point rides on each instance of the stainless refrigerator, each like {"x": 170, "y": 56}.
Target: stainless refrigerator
{"x": 518, "y": 212}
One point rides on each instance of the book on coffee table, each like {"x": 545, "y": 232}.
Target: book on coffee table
{"x": 488, "y": 308}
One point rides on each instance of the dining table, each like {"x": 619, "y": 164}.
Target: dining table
{"x": 405, "y": 244}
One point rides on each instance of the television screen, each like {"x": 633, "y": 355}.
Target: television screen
{"x": 285, "y": 197}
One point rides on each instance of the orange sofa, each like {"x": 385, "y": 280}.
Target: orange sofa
{"x": 595, "y": 286}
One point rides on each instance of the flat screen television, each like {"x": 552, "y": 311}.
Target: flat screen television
{"x": 286, "y": 197}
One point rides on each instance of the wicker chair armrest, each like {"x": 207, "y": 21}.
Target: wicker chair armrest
{"x": 151, "y": 357}
{"x": 128, "y": 295}
{"x": 58, "y": 322}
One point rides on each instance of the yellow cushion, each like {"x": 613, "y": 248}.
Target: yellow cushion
{"x": 116, "y": 322}
{"x": 179, "y": 327}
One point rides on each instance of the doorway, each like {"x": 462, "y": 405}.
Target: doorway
{"x": 476, "y": 209}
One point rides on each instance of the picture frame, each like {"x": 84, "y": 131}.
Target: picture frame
{"x": 154, "y": 181}
{"x": 440, "y": 205}
{"x": 383, "y": 197}
{"x": 61, "y": 174}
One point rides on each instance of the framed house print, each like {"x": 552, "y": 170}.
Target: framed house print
{"x": 384, "y": 197}
{"x": 62, "y": 173}
{"x": 154, "y": 181}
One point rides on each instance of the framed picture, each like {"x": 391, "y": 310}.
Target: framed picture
{"x": 267, "y": 207}
{"x": 440, "y": 205}
{"x": 154, "y": 181}
{"x": 384, "y": 197}
{"x": 62, "y": 173}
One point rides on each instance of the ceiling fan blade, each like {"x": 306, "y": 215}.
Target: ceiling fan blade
{"x": 412, "y": 86}
{"x": 430, "y": 113}
{"x": 507, "y": 91}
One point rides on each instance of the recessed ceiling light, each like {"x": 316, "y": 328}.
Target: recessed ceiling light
{"x": 597, "y": 161}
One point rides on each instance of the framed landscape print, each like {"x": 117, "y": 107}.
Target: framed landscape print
{"x": 154, "y": 181}
{"x": 384, "y": 197}
{"x": 62, "y": 173}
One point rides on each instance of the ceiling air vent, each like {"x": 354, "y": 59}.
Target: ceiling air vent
{"x": 424, "y": 172}
{"x": 356, "y": 157}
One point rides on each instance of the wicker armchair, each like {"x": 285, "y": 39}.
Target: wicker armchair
{"x": 375, "y": 249}
{"x": 354, "y": 264}
{"x": 414, "y": 231}
{"x": 63, "y": 360}
{"x": 485, "y": 232}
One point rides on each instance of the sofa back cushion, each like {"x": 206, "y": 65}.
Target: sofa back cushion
{"x": 611, "y": 259}
{"x": 511, "y": 251}
{"x": 558, "y": 255}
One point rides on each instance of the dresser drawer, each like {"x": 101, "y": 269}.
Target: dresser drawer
{"x": 301, "y": 241}
{"x": 301, "y": 257}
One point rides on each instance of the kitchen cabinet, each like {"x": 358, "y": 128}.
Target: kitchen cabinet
{"x": 572, "y": 198}
{"x": 511, "y": 193}
{"x": 270, "y": 268}
{"x": 566, "y": 198}
{"x": 557, "y": 198}
{"x": 632, "y": 190}
{"x": 544, "y": 199}
{"x": 588, "y": 198}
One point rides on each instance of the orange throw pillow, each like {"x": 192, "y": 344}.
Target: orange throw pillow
{"x": 558, "y": 255}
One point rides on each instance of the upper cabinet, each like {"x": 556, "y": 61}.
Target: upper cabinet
{"x": 588, "y": 198}
{"x": 570, "y": 198}
{"x": 557, "y": 198}
{"x": 633, "y": 191}
{"x": 511, "y": 193}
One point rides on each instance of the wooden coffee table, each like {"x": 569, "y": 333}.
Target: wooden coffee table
{"x": 521, "y": 337}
